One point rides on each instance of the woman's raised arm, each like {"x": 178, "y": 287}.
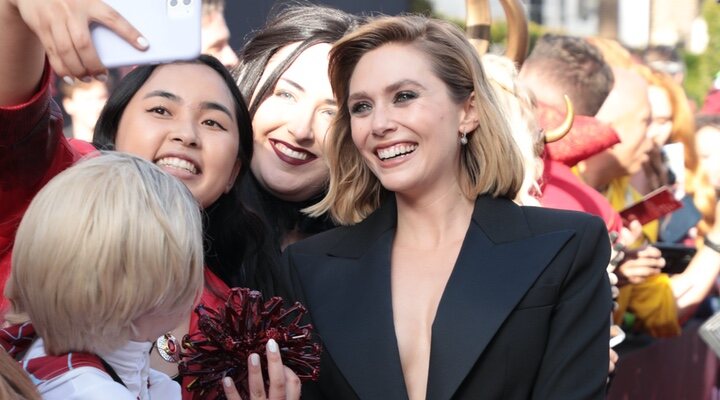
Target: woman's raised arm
{"x": 60, "y": 29}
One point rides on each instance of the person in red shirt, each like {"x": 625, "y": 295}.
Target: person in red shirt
{"x": 565, "y": 65}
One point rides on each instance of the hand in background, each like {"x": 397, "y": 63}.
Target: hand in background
{"x": 639, "y": 265}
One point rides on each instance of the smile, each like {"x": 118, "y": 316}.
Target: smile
{"x": 398, "y": 150}
{"x": 177, "y": 163}
{"x": 290, "y": 154}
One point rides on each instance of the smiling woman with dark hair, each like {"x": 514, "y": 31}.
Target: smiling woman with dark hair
{"x": 283, "y": 76}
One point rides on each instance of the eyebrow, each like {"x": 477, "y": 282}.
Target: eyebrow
{"x": 211, "y": 105}
{"x": 330, "y": 102}
{"x": 293, "y": 84}
{"x": 389, "y": 89}
{"x": 164, "y": 94}
{"x": 205, "y": 105}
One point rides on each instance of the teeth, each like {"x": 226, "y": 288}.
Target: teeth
{"x": 177, "y": 163}
{"x": 290, "y": 152}
{"x": 397, "y": 150}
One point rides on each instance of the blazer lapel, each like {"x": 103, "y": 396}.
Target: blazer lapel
{"x": 498, "y": 262}
{"x": 352, "y": 300}
{"x": 352, "y": 306}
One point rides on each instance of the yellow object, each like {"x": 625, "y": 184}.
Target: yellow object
{"x": 653, "y": 304}
{"x": 652, "y": 301}
{"x": 621, "y": 195}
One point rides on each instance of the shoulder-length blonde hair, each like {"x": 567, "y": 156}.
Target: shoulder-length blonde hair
{"x": 518, "y": 105}
{"x": 105, "y": 242}
{"x": 491, "y": 161}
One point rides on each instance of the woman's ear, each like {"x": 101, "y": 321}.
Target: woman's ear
{"x": 233, "y": 176}
{"x": 469, "y": 120}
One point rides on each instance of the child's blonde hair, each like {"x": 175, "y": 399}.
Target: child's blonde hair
{"x": 104, "y": 243}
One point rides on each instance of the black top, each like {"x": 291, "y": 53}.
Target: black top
{"x": 280, "y": 216}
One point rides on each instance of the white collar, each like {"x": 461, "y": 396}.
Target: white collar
{"x": 132, "y": 364}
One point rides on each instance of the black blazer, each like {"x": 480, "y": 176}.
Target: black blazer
{"x": 525, "y": 313}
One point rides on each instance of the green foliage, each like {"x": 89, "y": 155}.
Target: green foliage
{"x": 694, "y": 85}
{"x": 701, "y": 68}
{"x": 499, "y": 31}
{"x": 422, "y": 7}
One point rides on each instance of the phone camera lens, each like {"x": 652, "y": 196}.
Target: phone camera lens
{"x": 187, "y": 2}
{"x": 173, "y": 3}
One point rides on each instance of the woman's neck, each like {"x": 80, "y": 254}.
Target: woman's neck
{"x": 432, "y": 221}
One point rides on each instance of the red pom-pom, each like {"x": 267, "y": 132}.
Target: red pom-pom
{"x": 228, "y": 336}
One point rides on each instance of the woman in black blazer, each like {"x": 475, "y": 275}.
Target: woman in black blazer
{"x": 439, "y": 286}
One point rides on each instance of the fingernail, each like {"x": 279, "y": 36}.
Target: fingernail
{"x": 101, "y": 77}
{"x": 272, "y": 346}
{"x": 613, "y": 278}
{"x": 227, "y": 382}
{"x": 143, "y": 42}
{"x": 254, "y": 359}
{"x": 86, "y": 79}
{"x": 69, "y": 80}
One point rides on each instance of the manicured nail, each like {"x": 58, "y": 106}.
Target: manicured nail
{"x": 143, "y": 42}
{"x": 86, "y": 79}
{"x": 101, "y": 77}
{"x": 69, "y": 80}
{"x": 227, "y": 382}
{"x": 272, "y": 346}
{"x": 254, "y": 359}
{"x": 613, "y": 278}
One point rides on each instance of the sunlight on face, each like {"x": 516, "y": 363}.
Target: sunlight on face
{"x": 708, "y": 144}
{"x": 404, "y": 122}
{"x": 660, "y": 126}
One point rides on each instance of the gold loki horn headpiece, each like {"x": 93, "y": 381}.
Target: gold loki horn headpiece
{"x": 553, "y": 135}
{"x": 478, "y": 27}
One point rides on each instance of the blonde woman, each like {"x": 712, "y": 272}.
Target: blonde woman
{"x": 440, "y": 286}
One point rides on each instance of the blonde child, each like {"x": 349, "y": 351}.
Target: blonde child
{"x": 107, "y": 258}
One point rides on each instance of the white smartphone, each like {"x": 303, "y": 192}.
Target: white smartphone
{"x": 171, "y": 27}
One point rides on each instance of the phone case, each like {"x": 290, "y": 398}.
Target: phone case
{"x": 656, "y": 204}
{"x": 172, "y": 28}
{"x": 677, "y": 256}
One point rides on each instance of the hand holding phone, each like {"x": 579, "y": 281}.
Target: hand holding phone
{"x": 62, "y": 26}
{"x": 639, "y": 265}
{"x": 677, "y": 256}
{"x": 171, "y": 27}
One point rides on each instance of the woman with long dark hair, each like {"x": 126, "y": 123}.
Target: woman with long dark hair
{"x": 283, "y": 76}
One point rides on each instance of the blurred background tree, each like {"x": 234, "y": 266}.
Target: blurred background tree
{"x": 701, "y": 68}
{"x": 498, "y": 30}
{"x": 424, "y": 7}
